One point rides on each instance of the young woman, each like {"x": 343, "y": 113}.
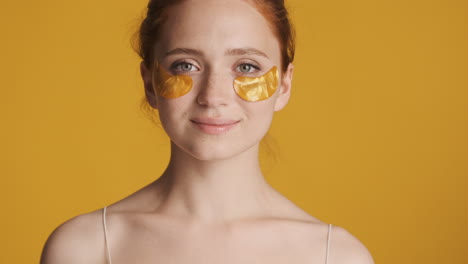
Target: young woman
{"x": 216, "y": 71}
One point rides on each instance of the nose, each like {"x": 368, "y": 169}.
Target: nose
{"x": 215, "y": 90}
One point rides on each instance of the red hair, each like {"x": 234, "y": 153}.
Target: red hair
{"x": 274, "y": 11}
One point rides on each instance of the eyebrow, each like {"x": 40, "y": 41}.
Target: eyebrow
{"x": 230, "y": 52}
{"x": 245, "y": 51}
{"x": 183, "y": 51}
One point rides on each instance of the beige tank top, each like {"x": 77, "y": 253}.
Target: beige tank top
{"x": 108, "y": 254}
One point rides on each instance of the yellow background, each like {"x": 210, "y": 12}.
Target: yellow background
{"x": 374, "y": 138}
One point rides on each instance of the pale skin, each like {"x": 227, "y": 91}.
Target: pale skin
{"x": 212, "y": 203}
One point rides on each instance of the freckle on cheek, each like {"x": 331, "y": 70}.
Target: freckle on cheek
{"x": 252, "y": 89}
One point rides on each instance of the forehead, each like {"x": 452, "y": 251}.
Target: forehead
{"x": 214, "y": 25}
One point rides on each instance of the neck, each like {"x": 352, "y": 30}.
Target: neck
{"x": 215, "y": 190}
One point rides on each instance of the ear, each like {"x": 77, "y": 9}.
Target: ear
{"x": 285, "y": 88}
{"x": 147, "y": 76}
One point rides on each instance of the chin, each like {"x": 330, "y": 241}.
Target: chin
{"x": 217, "y": 151}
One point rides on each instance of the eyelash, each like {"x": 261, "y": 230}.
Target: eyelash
{"x": 175, "y": 66}
{"x": 249, "y": 64}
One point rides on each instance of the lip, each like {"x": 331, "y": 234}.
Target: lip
{"x": 214, "y": 126}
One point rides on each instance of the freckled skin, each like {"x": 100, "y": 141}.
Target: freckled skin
{"x": 252, "y": 89}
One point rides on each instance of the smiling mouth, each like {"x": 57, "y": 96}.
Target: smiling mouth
{"x": 214, "y": 126}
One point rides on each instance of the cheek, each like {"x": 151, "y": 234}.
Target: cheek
{"x": 170, "y": 86}
{"x": 254, "y": 89}
{"x": 172, "y": 112}
{"x": 261, "y": 114}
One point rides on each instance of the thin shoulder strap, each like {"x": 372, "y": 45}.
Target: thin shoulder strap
{"x": 328, "y": 243}
{"x": 108, "y": 255}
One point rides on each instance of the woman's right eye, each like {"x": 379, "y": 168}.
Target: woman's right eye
{"x": 184, "y": 67}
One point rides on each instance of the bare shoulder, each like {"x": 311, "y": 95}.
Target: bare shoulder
{"x": 347, "y": 249}
{"x": 79, "y": 240}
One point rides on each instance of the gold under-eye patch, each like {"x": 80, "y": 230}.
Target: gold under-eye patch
{"x": 254, "y": 89}
{"x": 170, "y": 86}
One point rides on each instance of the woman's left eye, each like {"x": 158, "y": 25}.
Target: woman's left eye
{"x": 247, "y": 68}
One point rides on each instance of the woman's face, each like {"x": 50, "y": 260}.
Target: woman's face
{"x": 214, "y": 42}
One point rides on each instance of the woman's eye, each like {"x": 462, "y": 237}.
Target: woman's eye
{"x": 247, "y": 68}
{"x": 184, "y": 67}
